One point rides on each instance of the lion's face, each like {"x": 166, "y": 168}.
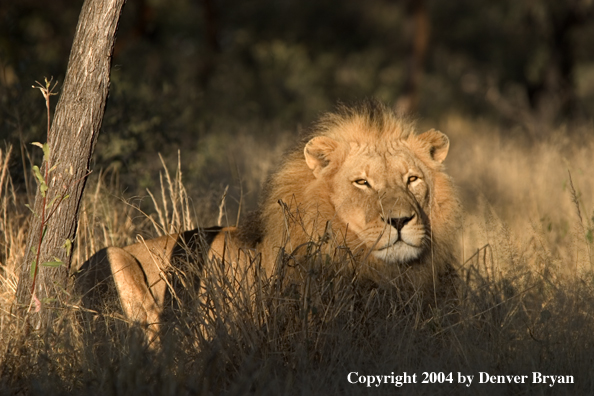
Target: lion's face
{"x": 382, "y": 198}
{"x": 381, "y": 192}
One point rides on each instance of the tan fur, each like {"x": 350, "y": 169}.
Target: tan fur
{"x": 363, "y": 179}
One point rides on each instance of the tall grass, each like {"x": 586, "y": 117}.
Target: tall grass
{"x": 526, "y": 301}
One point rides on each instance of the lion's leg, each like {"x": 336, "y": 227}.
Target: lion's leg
{"x": 137, "y": 301}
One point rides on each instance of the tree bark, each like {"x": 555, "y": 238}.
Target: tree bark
{"x": 71, "y": 141}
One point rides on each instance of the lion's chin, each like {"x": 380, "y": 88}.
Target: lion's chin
{"x": 398, "y": 253}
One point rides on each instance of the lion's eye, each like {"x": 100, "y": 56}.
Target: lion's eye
{"x": 412, "y": 179}
{"x": 362, "y": 183}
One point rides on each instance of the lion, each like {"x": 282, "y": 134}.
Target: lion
{"x": 362, "y": 177}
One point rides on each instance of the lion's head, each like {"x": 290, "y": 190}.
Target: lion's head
{"x": 380, "y": 186}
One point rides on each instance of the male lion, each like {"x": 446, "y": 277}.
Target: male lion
{"x": 363, "y": 178}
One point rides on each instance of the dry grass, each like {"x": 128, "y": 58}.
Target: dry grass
{"x": 526, "y": 304}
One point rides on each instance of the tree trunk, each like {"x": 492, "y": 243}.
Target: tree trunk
{"x": 71, "y": 141}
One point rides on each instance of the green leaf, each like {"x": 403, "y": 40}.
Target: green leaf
{"x": 33, "y": 267}
{"x": 46, "y": 152}
{"x": 56, "y": 263}
{"x": 45, "y": 148}
{"x": 37, "y": 174}
{"x": 52, "y": 201}
{"x": 32, "y": 211}
{"x": 68, "y": 246}
{"x": 42, "y": 186}
{"x": 590, "y": 236}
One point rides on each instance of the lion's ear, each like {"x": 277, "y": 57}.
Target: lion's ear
{"x": 438, "y": 142}
{"x": 318, "y": 152}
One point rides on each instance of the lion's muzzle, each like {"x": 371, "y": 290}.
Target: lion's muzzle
{"x": 401, "y": 240}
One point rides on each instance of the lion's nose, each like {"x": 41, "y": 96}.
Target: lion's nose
{"x": 399, "y": 222}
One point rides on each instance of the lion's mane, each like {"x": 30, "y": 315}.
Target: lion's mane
{"x": 297, "y": 208}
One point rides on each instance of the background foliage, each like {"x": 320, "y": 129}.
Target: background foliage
{"x": 199, "y": 75}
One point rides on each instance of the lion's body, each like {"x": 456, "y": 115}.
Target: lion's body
{"x": 139, "y": 275}
{"x": 363, "y": 179}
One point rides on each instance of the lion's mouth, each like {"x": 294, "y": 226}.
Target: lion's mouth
{"x": 399, "y": 246}
{"x": 398, "y": 251}
{"x": 398, "y": 242}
